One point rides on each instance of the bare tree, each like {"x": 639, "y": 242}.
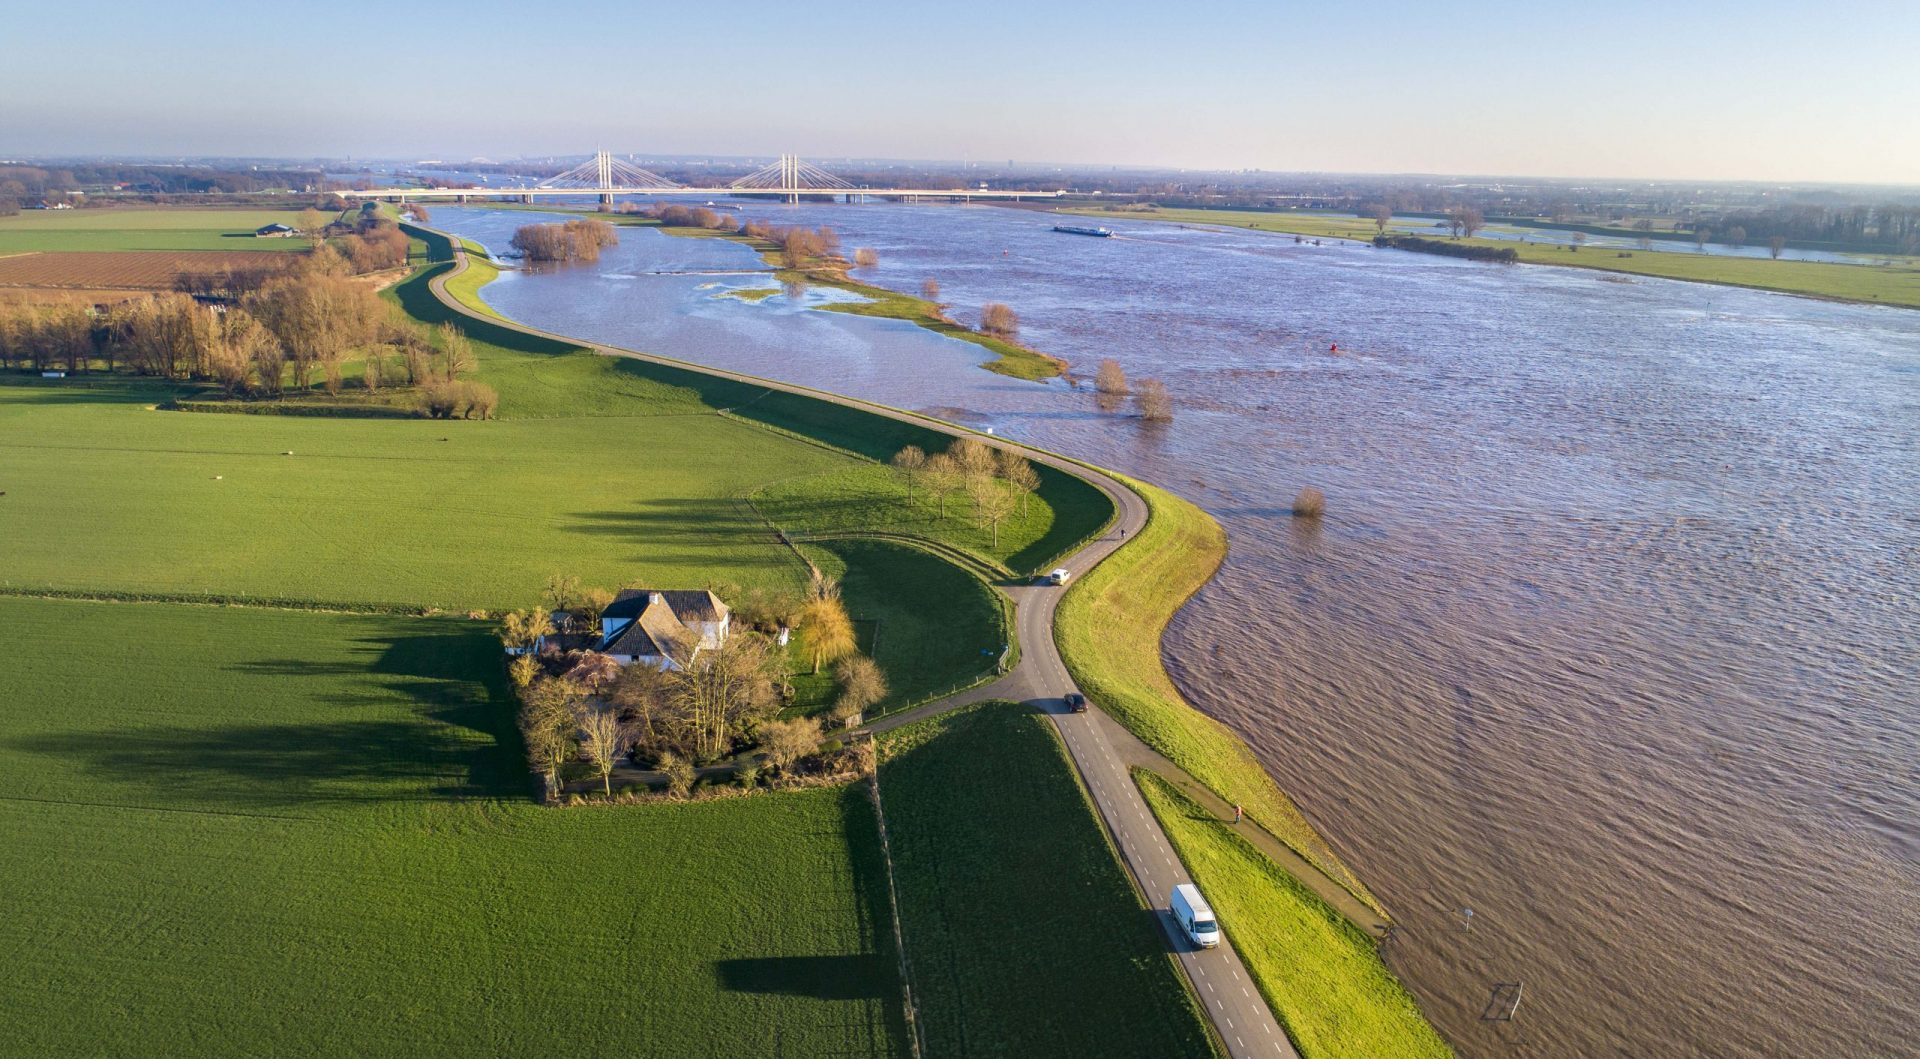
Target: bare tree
{"x": 999, "y": 320}
{"x": 1700, "y": 237}
{"x": 1017, "y": 471}
{"x": 943, "y": 477}
{"x": 862, "y": 684}
{"x": 1380, "y": 213}
{"x": 679, "y": 773}
{"x": 930, "y": 289}
{"x": 1110, "y": 378}
{"x": 787, "y": 743}
{"x": 1776, "y": 245}
{"x": 992, "y": 501}
{"x": 1310, "y": 503}
{"x": 1153, "y": 402}
{"x": 547, "y": 723}
{"x": 728, "y": 689}
{"x": 908, "y": 462}
{"x": 1455, "y": 221}
{"x": 1579, "y": 240}
{"x": 311, "y": 223}
{"x": 866, "y": 257}
{"x": 456, "y": 351}
{"x": 1471, "y": 220}
{"x": 1736, "y": 237}
{"x": 521, "y": 630}
{"x": 603, "y": 739}
{"x": 973, "y": 456}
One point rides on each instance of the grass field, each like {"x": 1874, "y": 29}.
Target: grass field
{"x": 1026, "y": 937}
{"x": 143, "y": 229}
{"x": 248, "y": 832}
{"x": 458, "y": 515}
{"x": 872, "y": 497}
{"x": 1108, "y": 630}
{"x": 932, "y": 626}
{"x": 1321, "y": 974}
{"x": 1896, "y": 286}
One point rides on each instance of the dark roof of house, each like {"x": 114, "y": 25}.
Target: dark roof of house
{"x": 655, "y": 631}
{"x": 693, "y": 605}
{"x": 275, "y": 227}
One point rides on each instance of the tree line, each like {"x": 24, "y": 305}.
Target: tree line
{"x": 298, "y": 330}
{"x": 997, "y": 482}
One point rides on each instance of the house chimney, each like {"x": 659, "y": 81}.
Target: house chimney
{"x": 655, "y": 599}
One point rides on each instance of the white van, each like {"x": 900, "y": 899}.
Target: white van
{"x": 1058, "y": 577}
{"x": 1194, "y": 915}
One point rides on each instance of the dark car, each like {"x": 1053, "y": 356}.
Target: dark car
{"x": 1076, "y": 702}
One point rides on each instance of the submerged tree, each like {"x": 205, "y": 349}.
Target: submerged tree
{"x": 1153, "y": 402}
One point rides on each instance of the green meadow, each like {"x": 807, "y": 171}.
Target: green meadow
{"x": 238, "y": 831}
{"x": 142, "y": 229}
{"x": 271, "y": 828}
{"x": 1025, "y": 936}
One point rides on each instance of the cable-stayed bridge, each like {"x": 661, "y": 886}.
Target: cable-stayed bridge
{"x": 605, "y": 176}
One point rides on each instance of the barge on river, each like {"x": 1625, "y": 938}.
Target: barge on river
{"x": 1070, "y": 229}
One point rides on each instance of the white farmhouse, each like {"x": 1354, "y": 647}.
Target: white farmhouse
{"x": 665, "y": 630}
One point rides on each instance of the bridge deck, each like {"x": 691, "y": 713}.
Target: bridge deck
{"x": 491, "y": 192}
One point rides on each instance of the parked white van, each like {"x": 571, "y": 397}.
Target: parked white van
{"x": 1195, "y": 916}
{"x": 1058, "y": 577}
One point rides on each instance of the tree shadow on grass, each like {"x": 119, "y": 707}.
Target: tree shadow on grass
{"x": 862, "y": 976}
{"x": 714, "y": 533}
{"x": 444, "y": 729}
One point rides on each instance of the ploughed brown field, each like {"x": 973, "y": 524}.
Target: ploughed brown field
{"x": 128, "y": 269}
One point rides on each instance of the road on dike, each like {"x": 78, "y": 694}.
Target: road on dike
{"x": 1241, "y": 1017}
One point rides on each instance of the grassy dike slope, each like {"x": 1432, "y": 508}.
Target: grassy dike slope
{"x": 1319, "y": 973}
{"x": 1109, "y": 629}
{"x": 1025, "y": 935}
{"x": 1871, "y": 284}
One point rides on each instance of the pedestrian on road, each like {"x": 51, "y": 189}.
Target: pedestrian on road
{"x": 1237, "y": 814}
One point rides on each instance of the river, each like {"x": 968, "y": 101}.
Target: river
{"x": 1609, "y": 634}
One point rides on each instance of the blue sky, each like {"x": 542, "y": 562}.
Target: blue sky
{"x": 1763, "y": 90}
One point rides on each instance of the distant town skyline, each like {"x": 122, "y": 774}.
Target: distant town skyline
{"x": 1763, "y": 91}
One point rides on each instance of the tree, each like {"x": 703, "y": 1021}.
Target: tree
{"x": 866, "y": 257}
{"x": 522, "y": 629}
{"x": 592, "y": 603}
{"x": 679, "y": 773}
{"x": 1579, "y": 240}
{"x": 943, "y": 477}
{"x": 1017, "y": 471}
{"x": 603, "y": 739}
{"x": 862, "y": 684}
{"x": 1700, "y": 237}
{"x": 1310, "y": 503}
{"x": 1110, "y": 378}
{"x": 725, "y": 691}
{"x": 1381, "y": 213}
{"x": 1736, "y": 237}
{"x": 1471, "y": 220}
{"x": 640, "y": 694}
{"x": 1776, "y": 245}
{"x": 930, "y": 289}
{"x": 786, "y": 743}
{"x": 824, "y": 626}
{"x": 560, "y": 593}
{"x": 973, "y": 456}
{"x": 1455, "y": 221}
{"x": 311, "y": 223}
{"x": 992, "y": 501}
{"x": 999, "y": 320}
{"x": 908, "y": 462}
{"x": 1153, "y": 402}
{"x": 547, "y": 723}
{"x": 456, "y": 351}
{"x": 522, "y": 670}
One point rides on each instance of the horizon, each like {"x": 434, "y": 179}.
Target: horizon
{"x": 1708, "y": 99}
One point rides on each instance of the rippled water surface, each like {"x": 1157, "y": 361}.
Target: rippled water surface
{"x": 1610, "y": 631}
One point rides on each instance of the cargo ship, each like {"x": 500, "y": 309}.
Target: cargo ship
{"x": 1100, "y": 233}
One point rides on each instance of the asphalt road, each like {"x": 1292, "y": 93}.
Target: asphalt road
{"x": 1220, "y": 979}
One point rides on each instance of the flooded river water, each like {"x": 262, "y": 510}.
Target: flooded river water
{"x": 1610, "y": 631}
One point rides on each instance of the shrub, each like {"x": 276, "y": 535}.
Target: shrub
{"x": 866, "y": 257}
{"x": 679, "y": 773}
{"x": 1310, "y": 503}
